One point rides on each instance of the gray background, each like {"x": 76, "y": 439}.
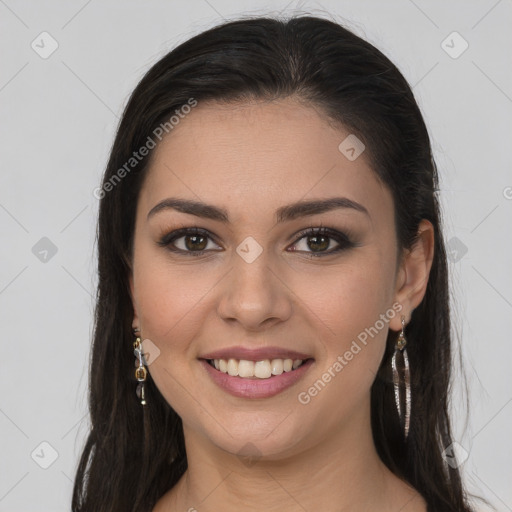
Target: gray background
{"x": 59, "y": 115}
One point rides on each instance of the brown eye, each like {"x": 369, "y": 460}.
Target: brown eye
{"x": 318, "y": 240}
{"x": 191, "y": 241}
{"x": 195, "y": 242}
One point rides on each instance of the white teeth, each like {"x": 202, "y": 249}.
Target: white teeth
{"x": 245, "y": 368}
{"x": 233, "y": 367}
{"x": 260, "y": 369}
{"x": 276, "y": 365}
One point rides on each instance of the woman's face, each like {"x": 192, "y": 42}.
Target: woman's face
{"x": 260, "y": 290}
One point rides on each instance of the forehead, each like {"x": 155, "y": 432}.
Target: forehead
{"x": 258, "y": 155}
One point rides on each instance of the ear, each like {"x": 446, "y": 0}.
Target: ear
{"x": 413, "y": 274}
{"x": 135, "y": 322}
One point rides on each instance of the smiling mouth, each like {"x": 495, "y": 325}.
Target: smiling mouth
{"x": 264, "y": 369}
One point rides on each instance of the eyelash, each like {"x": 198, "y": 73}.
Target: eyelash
{"x": 343, "y": 240}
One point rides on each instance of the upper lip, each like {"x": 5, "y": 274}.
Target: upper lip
{"x": 255, "y": 354}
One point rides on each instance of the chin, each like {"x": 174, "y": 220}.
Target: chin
{"x": 258, "y": 435}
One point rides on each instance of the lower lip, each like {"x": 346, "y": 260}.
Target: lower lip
{"x": 256, "y": 388}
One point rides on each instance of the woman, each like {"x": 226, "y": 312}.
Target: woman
{"x": 270, "y": 251}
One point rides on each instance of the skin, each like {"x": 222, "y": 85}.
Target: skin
{"x": 251, "y": 159}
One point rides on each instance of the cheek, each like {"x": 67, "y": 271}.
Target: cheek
{"x": 348, "y": 298}
{"x": 352, "y": 308}
{"x": 170, "y": 297}
{"x": 171, "y": 311}
{"x": 339, "y": 387}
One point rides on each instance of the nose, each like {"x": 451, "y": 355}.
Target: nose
{"x": 254, "y": 295}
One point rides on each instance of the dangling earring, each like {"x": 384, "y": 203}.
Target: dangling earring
{"x": 140, "y": 371}
{"x": 397, "y": 381}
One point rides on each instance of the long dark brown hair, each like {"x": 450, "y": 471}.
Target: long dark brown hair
{"x": 134, "y": 454}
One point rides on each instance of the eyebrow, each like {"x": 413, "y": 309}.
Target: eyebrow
{"x": 283, "y": 214}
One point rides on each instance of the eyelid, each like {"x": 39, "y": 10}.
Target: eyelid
{"x": 322, "y": 229}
